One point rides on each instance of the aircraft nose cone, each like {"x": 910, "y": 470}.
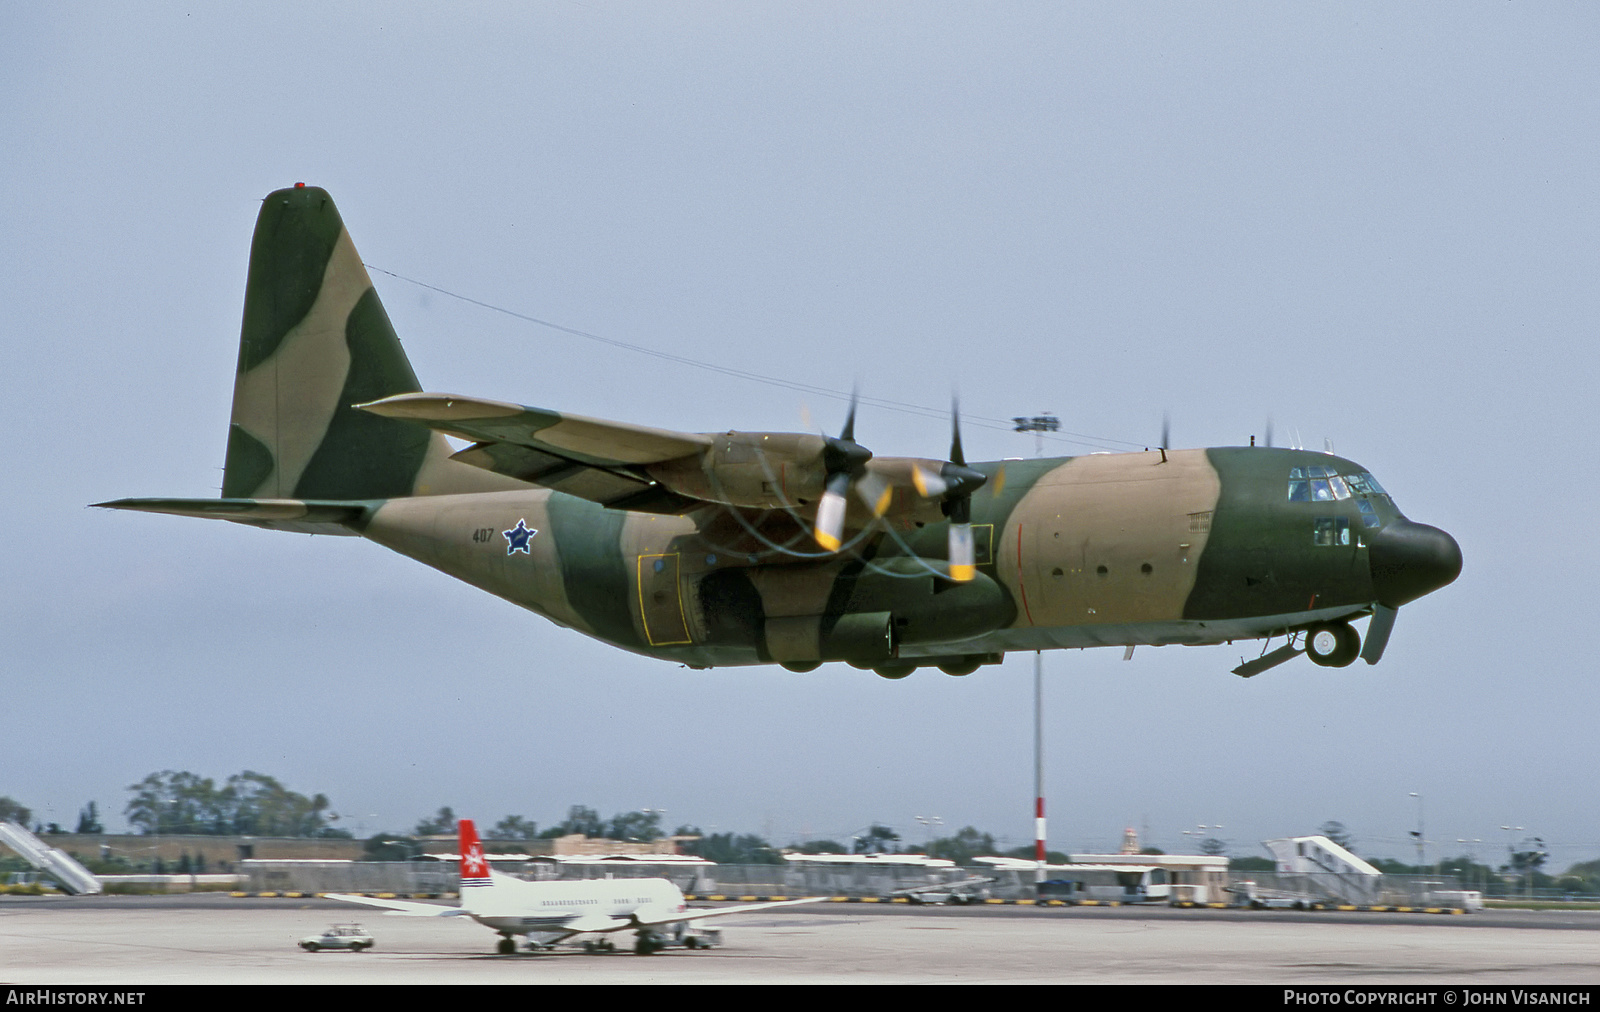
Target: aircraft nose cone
{"x": 1410, "y": 560}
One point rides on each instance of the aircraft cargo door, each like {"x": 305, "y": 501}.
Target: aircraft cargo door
{"x": 661, "y": 601}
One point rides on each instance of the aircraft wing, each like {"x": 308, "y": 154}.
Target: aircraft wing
{"x": 704, "y": 912}
{"x": 405, "y": 908}
{"x": 590, "y": 458}
{"x": 596, "y": 923}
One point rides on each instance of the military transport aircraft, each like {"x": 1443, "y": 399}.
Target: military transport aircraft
{"x": 738, "y": 548}
{"x": 552, "y": 912}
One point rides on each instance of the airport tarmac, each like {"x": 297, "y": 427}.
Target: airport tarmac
{"x": 223, "y": 940}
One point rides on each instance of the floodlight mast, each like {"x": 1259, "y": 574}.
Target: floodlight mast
{"x": 1038, "y": 425}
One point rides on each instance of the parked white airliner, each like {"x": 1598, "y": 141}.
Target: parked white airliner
{"x": 551, "y": 912}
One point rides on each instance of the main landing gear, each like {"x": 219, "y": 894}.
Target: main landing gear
{"x": 1333, "y": 644}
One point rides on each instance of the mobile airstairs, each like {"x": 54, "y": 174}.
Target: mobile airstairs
{"x": 59, "y": 865}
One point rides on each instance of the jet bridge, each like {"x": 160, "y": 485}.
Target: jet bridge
{"x": 73, "y": 877}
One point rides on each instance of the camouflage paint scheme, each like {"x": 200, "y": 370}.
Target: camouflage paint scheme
{"x": 698, "y": 548}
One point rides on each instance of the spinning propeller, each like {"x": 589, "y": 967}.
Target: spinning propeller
{"x": 845, "y": 461}
{"x": 848, "y": 463}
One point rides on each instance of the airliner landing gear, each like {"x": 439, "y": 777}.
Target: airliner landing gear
{"x": 1332, "y": 644}
{"x": 507, "y": 946}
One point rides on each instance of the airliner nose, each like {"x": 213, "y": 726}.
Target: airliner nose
{"x": 1409, "y": 560}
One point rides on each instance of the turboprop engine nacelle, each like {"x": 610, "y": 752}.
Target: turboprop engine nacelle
{"x": 757, "y": 470}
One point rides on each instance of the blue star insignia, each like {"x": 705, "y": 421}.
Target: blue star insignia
{"x": 517, "y": 538}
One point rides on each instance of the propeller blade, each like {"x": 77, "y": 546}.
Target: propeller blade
{"x": 849, "y": 432}
{"x": 1166, "y": 431}
{"x": 962, "y": 567}
{"x": 999, "y": 482}
{"x": 929, "y": 484}
{"x": 956, "y": 456}
{"x": 960, "y": 481}
{"x": 876, "y": 491}
{"x": 830, "y": 512}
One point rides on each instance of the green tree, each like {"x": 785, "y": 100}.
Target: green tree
{"x": 390, "y": 847}
{"x": 1026, "y": 853}
{"x": 515, "y": 827}
{"x": 726, "y": 848}
{"x": 1583, "y": 877}
{"x": 254, "y": 804}
{"x": 1251, "y": 864}
{"x": 248, "y": 804}
{"x": 443, "y": 823}
{"x": 878, "y": 839}
{"x": 15, "y": 811}
{"x": 961, "y": 848}
{"x": 176, "y": 802}
{"x": 634, "y": 826}
{"x": 820, "y": 847}
{"x": 580, "y": 819}
{"x": 89, "y": 820}
{"x": 1337, "y": 832}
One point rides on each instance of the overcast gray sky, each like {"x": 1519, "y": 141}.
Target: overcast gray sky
{"x": 1373, "y": 223}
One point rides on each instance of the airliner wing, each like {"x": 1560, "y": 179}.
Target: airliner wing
{"x": 704, "y": 912}
{"x": 401, "y": 907}
{"x": 595, "y": 922}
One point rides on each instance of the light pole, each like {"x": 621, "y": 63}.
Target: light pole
{"x": 1038, "y": 425}
{"x": 1511, "y": 854}
{"x": 1422, "y": 859}
{"x": 1472, "y": 846}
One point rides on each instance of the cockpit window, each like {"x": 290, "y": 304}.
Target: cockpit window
{"x": 1364, "y": 484}
{"x": 1320, "y": 483}
{"x": 1316, "y": 484}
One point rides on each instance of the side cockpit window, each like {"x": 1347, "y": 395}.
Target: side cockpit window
{"x": 1329, "y": 531}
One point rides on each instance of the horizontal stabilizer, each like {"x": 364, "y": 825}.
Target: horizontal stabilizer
{"x": 307, "y": 516}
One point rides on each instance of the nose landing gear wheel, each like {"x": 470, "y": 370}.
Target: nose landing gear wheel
{"x": 1332, "y": 644}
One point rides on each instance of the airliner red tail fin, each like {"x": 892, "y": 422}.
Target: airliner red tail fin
{"x": 474, "y": 869}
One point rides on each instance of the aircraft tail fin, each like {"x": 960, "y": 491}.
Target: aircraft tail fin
{"x": 475, "y": 871}
{"x": 315, "y": 342}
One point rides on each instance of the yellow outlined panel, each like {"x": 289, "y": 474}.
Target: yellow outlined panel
{"x": 661, "y": 601}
